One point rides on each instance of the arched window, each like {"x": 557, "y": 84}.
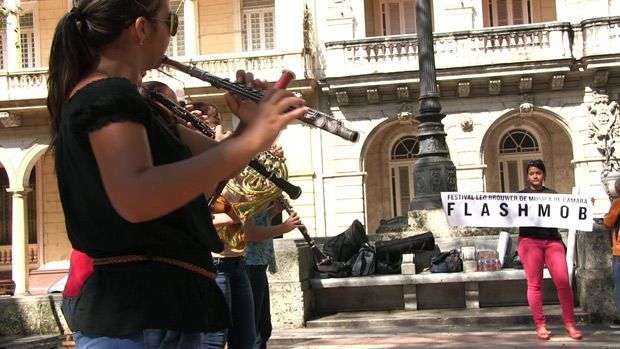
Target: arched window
{"x": 405, "y": 148}
{"x": 518, "y": 141}
{"x": 516, "y": 147}
{"x": 401, "y": 171}
{"x": 6, "y": 209}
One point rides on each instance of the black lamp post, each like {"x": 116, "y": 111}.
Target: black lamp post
{"x": 433, "y": 171}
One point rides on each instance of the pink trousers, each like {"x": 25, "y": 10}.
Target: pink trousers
{"x": 534, "y": 255}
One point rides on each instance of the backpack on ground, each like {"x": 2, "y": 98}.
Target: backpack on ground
{"x": 346, "y": 244}
{"x": 364, "y": 263}
{"x": 447, "y": 262}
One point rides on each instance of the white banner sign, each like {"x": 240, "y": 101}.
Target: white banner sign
{"x": 508, "y": 210}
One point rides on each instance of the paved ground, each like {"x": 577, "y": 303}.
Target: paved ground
{"x": 595, "y": 336}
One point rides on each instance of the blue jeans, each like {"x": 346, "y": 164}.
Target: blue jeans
{"x": 262, "y": 309}
{"x": 616, "y": 267}
{"x": 148, "y": 339}
{"x": 233, "y": 281}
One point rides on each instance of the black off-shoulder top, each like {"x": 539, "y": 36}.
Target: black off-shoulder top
{"x": 123, "y": 299}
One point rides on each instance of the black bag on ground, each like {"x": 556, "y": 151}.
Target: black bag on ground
{"x": 364, "y": 263}
{"x": 447, "y": 262}
{"x": 388, "y": 263}
{"x": 411, "y": 244}
{"x": 334, "y": 270}
{"x": 346, "y": 244}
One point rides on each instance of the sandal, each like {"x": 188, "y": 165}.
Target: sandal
{"x": 573, "y": 332}
{"x": 543, "y": 333}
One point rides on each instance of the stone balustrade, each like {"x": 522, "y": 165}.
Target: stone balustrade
{"x": 32, "y": 83}
{"x": 489, "y": 46}
{"x": 23, "y": 84}
{"x": 6, "y": 255}
{"x": 601, "y": 36}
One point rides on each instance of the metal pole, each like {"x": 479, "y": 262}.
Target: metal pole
{"x": 433, "y": 171}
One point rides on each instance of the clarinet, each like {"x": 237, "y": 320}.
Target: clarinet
{"x": 181, "y": 113}
{"x": 289, "y": 188}
{"x": 319, "y": 257}
{"x": 312, "y": 117}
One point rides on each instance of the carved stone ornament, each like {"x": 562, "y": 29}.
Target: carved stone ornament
{"x": 526, "y": 108}
{"x": 372, "y": 94}
{"x": 604, "y": 129}
{"x": 525, "y": 84}
{"x": 467, "y": 125}
{"x": 10, "y": 120}
{"x": 495, "y": 87}
{"x": 600, "y": 78}
{"x": 463, "y": 88}
{"x": 405, "y": 112}
{"x": 557, "y": 82}
{"x": 402, "y": 92}
{"x": 342, "y": 97}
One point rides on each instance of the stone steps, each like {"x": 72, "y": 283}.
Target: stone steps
{"x": 389, "y": 323}
{"x": 462, "y": 337}
{"x": 31, "y": 342}
{"x": 519, "y": 315}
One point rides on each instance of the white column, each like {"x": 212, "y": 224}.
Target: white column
{"x": 289, "y": 22}
{"x": 340, "y": 19}
{"x": 359, "y": 16}
{"x": 561, "y": 10}
{"x": 13, "y": 46}
{"x": 19, "y": 244}
{"x": 192, "y": 43}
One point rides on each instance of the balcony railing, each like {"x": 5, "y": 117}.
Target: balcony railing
{"x": 601, "y": 36}
{"x": 266, "y": 66}
{"x": 490, "y": 46}
{"x": 32, "y": 83}
{"x": 23, "y": 84}
{"x": 6, "y": 255}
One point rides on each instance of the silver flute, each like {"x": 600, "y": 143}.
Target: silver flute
{"x": 312, "y": 117}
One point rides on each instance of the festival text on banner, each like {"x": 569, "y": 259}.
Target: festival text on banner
{"x": 506, "y": 210}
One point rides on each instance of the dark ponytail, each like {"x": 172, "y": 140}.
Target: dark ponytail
{"x": 79, "y": 37}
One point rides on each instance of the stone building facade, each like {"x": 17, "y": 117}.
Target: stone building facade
{"x": 519, "y": 79}
{"x": 516, "y": 79}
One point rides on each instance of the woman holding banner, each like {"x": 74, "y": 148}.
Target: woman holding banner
{"x": 543, "y": 246}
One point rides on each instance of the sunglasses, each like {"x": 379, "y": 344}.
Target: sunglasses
{"x": 172, "y": 22}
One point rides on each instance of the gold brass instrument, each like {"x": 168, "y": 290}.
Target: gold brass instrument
{"x": 249, "y": 193}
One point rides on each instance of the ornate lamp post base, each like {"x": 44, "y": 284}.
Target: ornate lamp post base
{"x": 433, "y": 174}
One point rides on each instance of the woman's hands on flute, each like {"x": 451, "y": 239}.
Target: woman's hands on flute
{"x": 245, "y": 109}
{"x": 265, "y": 120}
